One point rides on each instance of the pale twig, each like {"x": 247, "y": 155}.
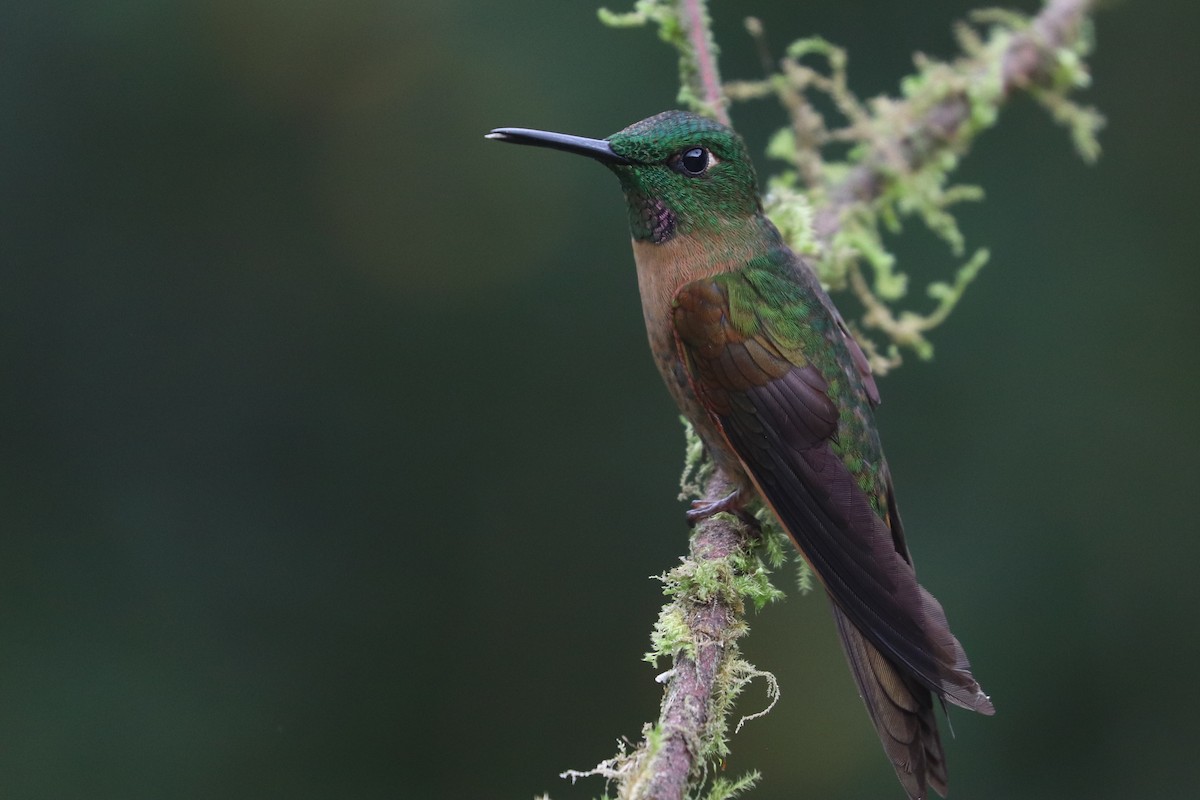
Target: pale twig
{"x": 693, "y": 15}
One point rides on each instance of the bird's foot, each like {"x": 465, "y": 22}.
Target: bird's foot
{"x": 732, "y": 503}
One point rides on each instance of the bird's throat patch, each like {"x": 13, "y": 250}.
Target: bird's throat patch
{"x": 650, "y": 219}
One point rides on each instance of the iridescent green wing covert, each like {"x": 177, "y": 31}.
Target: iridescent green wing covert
{"x": 777, "y": 376}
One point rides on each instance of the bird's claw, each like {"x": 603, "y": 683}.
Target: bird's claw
{"x": 733, "y": 503}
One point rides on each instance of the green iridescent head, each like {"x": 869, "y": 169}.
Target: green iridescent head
{"x": 681, "y": 172}
{"x": 685, "y": 172}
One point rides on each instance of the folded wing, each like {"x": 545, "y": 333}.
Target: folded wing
{"x": 800, "y": 422}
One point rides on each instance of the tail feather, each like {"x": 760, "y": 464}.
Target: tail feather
{"x": 901, "y": 709}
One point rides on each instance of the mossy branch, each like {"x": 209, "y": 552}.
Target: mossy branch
{"x": 686, "y": 26}
{"x": 725, "y": 571}
{"x": 903, "y": 151}
{"x": 836, "y": 211}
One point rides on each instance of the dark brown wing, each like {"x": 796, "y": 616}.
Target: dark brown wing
{"x": 774, "y": 408}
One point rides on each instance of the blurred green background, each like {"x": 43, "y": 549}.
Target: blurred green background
{"x": 334, "y": 462}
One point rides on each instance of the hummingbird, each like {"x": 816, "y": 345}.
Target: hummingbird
{"x": 763, "y": 365}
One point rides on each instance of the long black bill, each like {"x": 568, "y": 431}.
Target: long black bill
{"x": 592, "y": 148}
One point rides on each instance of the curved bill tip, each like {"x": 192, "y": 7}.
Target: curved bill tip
{"x": 580, "y": 145}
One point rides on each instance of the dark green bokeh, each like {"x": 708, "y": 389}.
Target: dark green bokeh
{"x": 334, "y": 462}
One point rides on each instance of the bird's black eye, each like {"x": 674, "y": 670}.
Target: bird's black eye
{"x": 693, "y": 161}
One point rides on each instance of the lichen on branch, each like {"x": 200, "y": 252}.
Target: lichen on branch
{"x": 726, "y": 571}
{"x": 686, "y": 26}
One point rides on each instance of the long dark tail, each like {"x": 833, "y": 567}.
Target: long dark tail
{"x": 902, "y": 711}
